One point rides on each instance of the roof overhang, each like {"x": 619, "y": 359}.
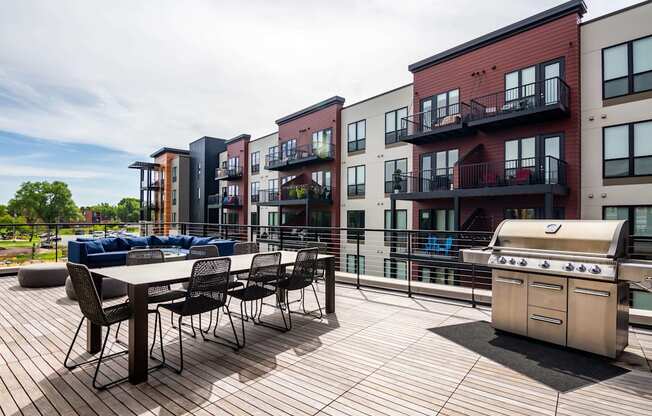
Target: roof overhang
{"x": 313, "y": 108}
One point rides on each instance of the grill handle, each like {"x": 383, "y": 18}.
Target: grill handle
{"x": 547, "y": 286}
{"x": 546, "y": 319}
{"x": 592, "y": 292}
{"x": 509, "y": 281}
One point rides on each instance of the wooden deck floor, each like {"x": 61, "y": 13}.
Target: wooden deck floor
{"x": 375, "y": 356}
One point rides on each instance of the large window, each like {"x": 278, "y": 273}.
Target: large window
{"x": 254, "y": 191}
{"x": 255, "y": 162}
{"x": 401, "y": 224}
{"x": 437, "y": 219}
{"x": 273, "y": 219}
{"x": 392, "y": 166}
{"x": 440, "y": 106}
{"x": 437, "y": 169}
{"x": 174, "y": 197}
{"x": 437, "y": 275}
{"x": 174, "y": 173}
{"x": 288, "y": 148}
{"x": 395, "y": 125}
{"x": 273, "y": 153}
{"x": 357, "y": 133}
{"x": 356, "y": 180}
{"x": 233, "y": 163}
{"x": 627, "y": 68}
{"x": 254, "y": 218}
{"x": 639, "y": 217}
{"x": 395, "y": 269}
{"x": 353, "y": 262}
{"x": 272, "y": 190}
{"x": 520, "y": 84}
{"x": 355, "y": 219}
{"x": 321, "y": 143}
{"x": 627, "y": 150}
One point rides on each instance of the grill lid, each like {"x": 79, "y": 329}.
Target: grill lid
{"x": 586, "y": 237}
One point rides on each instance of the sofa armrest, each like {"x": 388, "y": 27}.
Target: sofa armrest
{"x": 77, "y": 252}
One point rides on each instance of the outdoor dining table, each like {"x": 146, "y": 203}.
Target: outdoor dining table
{"x": 138, "y": 278}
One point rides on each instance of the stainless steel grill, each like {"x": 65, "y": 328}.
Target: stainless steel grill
{"x": 565, "y": 282}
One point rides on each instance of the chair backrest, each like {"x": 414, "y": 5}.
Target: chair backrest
{"x": 245, "y": 248}
{"x": 87, "y": 296}
{"x": 321, "y": 246}
{"x": 265, "y": 267}
{"x": 209, "y": 279}
{"x": 303, "y": 271}
{"x": 148, "y": 256}
{"x": 203, "y": 252}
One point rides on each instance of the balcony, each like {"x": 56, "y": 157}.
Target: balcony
{"x": 227, "y": 201}
{"x": 504, "y": 177}
{"x": 294, "y": 195}
{"x": 430, "y": 125}
{"x": 234, "y": 172}
{"x": 538, "y": 101}
{"x": 299, "y": 156}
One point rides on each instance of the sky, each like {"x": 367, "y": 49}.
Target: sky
{"x": 86, "y": 87}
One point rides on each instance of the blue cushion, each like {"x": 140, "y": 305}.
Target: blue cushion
{"x": 115, "y": 258}
{"x": 201, "y": 241}
{"x": 137, "y": 241}
{"x": 82, "y": 239}
{"x": 176, "y": 240}
{"x": 224, "y": 246}
{"x": 110, "y": 244}
{"x": 94, "y": 247}
{"x": 187, "y": 241}
{"x": 155, "y": 240}
{"x": 123, "y": 244}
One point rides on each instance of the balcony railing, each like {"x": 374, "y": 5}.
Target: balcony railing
{"x": 228, "y": 172}
{"x": 440, "y": 122}
{"x": 300, "y": 155}
{"x": 224, "y": 200}
{"x": 299, "y": 193}
{"x": 538, "y": 97}
{"x": 527, "y": 171}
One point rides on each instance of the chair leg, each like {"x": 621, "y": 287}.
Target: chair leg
{"x": 210, "y": 323}
{"x": 72, "y": 343}
{"x": 259, "y": 321}
{"x": 242, "y": 321}
{"x": 97, "y": 368}
{"x": 235, "y": 346}
{"x": 321, "y": 314}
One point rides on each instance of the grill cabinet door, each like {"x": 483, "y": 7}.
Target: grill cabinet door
{"x": 509, "y": 301}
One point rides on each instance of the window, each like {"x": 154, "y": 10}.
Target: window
{"x": 321, "y": 143}
{"x": 254, "y": 218}
{"x": 639, "y": 217}
{"x": 273, "y": 219}
{"x": 395, "y": 269}
{"x": 273, "y": 153}
{"x": 392, "y": 166}
{"x": 627, "y": 150}
{"x": 401, "y": 224}
{"x": 174, "y": 173}
{"x": 233, "y": 163}
{"x": 437, "y": 275}
{"x": 440, "y": 106}
{"x": 353, "y": 262}
{"x": 289, "y": 149}
{"x": 320, "y": 218}
{"x": 520, "y": 84}
{"x": 229, "y": 218}
{"x": 233, "y": 190}
{"x": 355, "y": 219}
{"x": 174, "y": 217}
{"x": 437, "y": 219}
{"x": 532, "y": 213}
{"x": 322, "y": 178}
{"x": 395, "y": 125}
{"x": 272, "y": 189}
{"x": 287, "y": 179}
{"x": 357, "y": 133}
{"x": 437, "y": 169}
{"x": 174, "y": 197}
{"x": 356, "y": 180}
{"x": 627, "y": 68}
{"x": 254, "y": 191}
{"x": 255, "y": 162}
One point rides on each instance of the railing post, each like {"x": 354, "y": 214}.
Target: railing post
{"x": 409, "y": 265}
{"x": 473, "y": 285}
{"x": 56, "y": 243}
{"x": 104, "y": 230}
{"x": 281, "y": 237}
{"x": 357, "y": 260}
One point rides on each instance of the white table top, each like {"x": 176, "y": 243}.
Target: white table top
{"x": 177, "y": 271}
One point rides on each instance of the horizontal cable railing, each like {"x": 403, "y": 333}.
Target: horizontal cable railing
{"x": 437, "y": 118}
{"x": 532, "y": 96}
{"x": 310, "y": 192}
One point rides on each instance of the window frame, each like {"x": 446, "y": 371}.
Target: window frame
{"x": 358, "y": 189}
{"x": 389, "y": 183}
{"x": 630, "y": 69}
{"x": 433, "y": 100}
{"x": 356, "y": 261}
{"x": 255, "y": 196}
{"x": 351, "y": 236}
{"x": 255, "y": 167}
{"x": 398, "y": 133}
{"x": 359, "y": 144}
{"x": 631, "y": 150}
{"x": 394, "y": 262}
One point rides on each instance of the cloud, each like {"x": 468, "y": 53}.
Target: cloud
{"x": 27, "y": 171}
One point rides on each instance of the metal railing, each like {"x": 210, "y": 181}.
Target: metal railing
{"x": 312, "y": 192}
{"x": 228, "y": 173}
{"x": 526, "y": 171}
{"x": 536, "y": 95}
{"x": 296, "y": 154}
{"x": 437, "y": 118}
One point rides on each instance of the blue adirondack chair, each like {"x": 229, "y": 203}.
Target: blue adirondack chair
{"x": 448, "y": 244}
{"x": 432, "y": 247}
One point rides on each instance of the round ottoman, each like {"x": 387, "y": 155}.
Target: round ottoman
{"x": 43, "y": 275}
{"x": 111, "y": 288}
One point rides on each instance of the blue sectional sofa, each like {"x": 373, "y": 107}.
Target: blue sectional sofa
{"x": 107, "y": 252}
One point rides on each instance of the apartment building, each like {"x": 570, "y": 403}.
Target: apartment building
{"x": 262, "y": 179}
{"x": 617, "y": 117}
{"x": 231, "y": 203}
{"x": 370, "y": 156}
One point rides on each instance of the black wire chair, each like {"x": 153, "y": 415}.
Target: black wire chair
{"x": 155, "y": 293}
{"x": 301, "y": 277}
{"x": 207, "y": 291}
{"x": 245, "y": 248}
{"x": 91, "y": 308}
{"x": 265, "y": 271}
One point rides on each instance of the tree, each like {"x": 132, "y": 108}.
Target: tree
{"x": 128, "y": 210}
{"x": 106, "y": 211}
{"x": 44, "y": 202}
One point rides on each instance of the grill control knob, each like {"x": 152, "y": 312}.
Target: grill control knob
{"x": 545, "y": 264}
{"x": 595, "y": 269}
{"x": 581, "y": 268}
{"x": 502, "y": 260}
{"x": 512, "y": 261}
{"x": 569, "y": 267}
{"x": 522, "y": 262}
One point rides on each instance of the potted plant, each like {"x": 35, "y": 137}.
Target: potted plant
{"x": 301, "y": 193}
{"x": 292, "y": 193}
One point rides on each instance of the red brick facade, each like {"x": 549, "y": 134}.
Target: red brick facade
{"x": 481, "y": 72}
{"x": 240, "y": 148}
